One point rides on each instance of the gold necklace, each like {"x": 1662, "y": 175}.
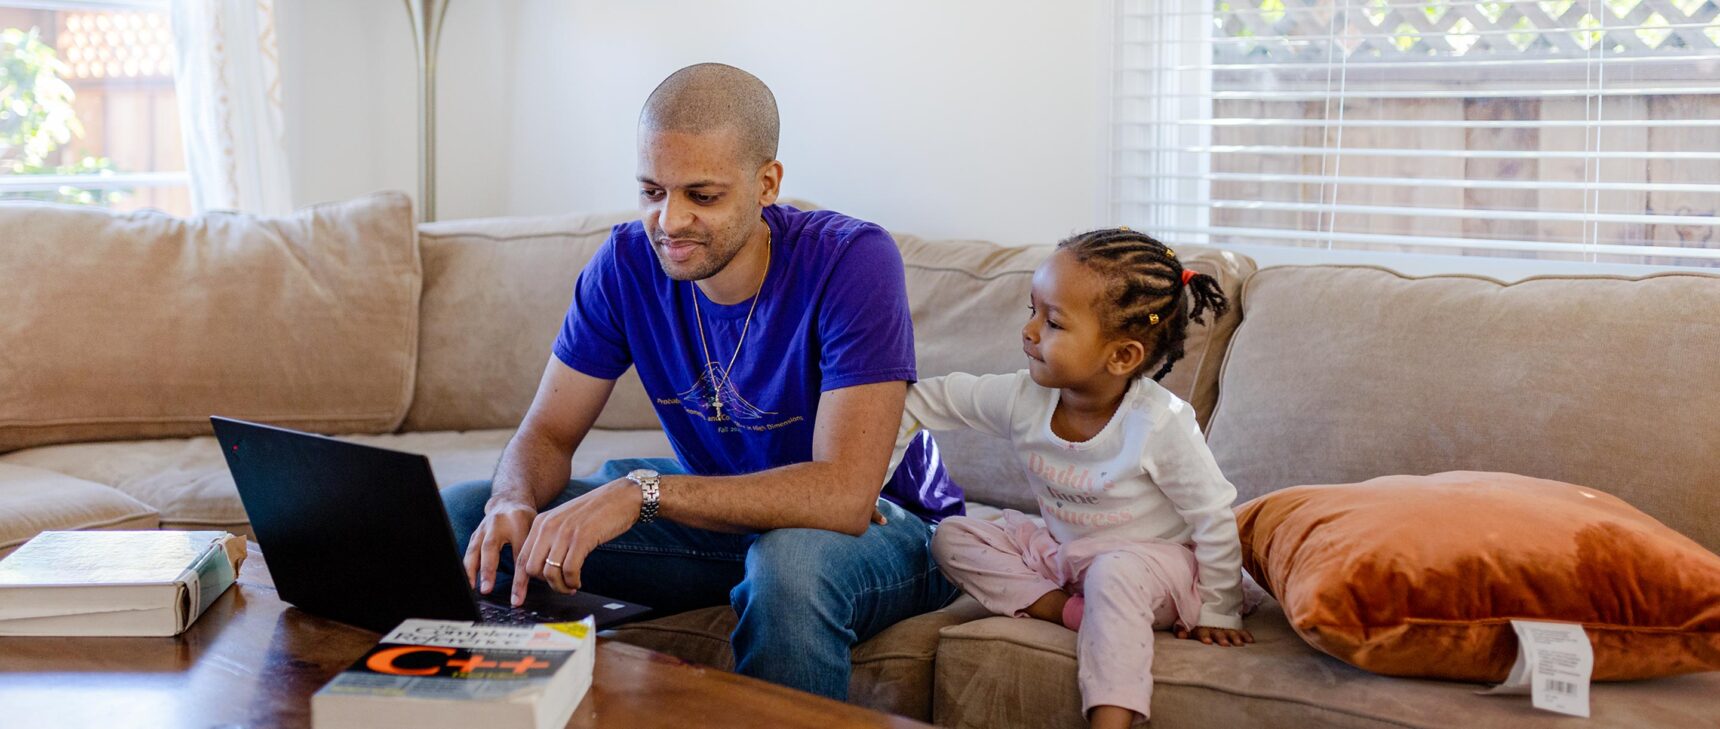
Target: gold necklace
{"x": 717, "y": 387}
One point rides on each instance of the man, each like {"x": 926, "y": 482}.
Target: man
{"x": 776, "y": 347}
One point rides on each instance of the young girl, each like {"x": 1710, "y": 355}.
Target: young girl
{"x": 1124, "y": 479}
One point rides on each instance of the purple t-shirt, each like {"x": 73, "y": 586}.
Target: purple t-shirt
{"x": 833, "y": 313}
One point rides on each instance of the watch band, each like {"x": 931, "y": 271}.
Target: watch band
{"x": 650, "y": 489}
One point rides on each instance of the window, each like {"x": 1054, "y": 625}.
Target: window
{"x": 87, "y": 107}
{"x": 1553, "y": 129}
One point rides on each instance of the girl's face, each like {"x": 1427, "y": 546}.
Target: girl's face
{"x": 1065, "y": 339}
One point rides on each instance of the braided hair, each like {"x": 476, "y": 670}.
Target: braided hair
{"x": 1148, "y": 299}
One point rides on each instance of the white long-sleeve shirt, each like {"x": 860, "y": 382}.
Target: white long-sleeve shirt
{"x": 1147, "y": 475}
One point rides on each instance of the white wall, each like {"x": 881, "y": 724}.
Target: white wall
{"x": 947, "y": 118}
{"x": 333, "y": 85}
{"x": 941, "y": 117}
{"x": 350, "y": 80}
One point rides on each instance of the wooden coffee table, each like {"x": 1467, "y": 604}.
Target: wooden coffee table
{"x": 252, "y": 661}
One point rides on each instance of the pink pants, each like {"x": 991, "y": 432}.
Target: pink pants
{"x": 1131, "y": 588}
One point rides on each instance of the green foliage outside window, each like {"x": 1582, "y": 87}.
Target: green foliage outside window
{"x": 37, "y": 118}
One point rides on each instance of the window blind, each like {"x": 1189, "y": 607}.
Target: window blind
{"x": 1555, "y": 129}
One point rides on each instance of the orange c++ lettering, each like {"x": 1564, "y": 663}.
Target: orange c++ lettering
{"x": 472, "y": 664}
{"x": 523, "y": 665}
{"x": 383, "y": 662}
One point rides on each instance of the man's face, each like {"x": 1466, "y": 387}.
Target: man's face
{"x": 699, "y": 197}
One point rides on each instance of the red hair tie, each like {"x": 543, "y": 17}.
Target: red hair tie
{"x": 1188, "y": 275}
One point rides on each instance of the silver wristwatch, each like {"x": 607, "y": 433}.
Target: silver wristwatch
{"x": 648, "y": 491}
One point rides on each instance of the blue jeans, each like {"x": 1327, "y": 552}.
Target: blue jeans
{"x": 804, "y": 596}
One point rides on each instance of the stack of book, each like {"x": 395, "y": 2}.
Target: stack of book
{"x": 96, "y": 583}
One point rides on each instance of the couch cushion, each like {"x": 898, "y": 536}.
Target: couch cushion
{"x": 495, "y": 293}
{"x": 1019, "y": 672}
{"x": 187, "y": 479}
{"x": 892, "y": 671}
{"x": 695, "y": 636}
{"x": 1340, "y": 374}
{"x": 140, "y": 325}
{"x": 1421, "y": 575}
{"x": 969, "y": 301}
{"x": 33, "y": 500}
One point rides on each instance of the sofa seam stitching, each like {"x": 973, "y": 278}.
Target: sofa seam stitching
{"x": 98, "y": 525}
{"x": 1183, "y": 682}
{"x": 128, "y": 419}
{"x": 1288, "y": 699}
{"x": 690, "y": 632}
{"x": 413, "y": 327}
{"x": 965, "y": 272}
{"x": 522, "y": 236}
{"x": 1488, "y": 279}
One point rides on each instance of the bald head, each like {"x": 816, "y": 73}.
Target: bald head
{"x": 709, "y": 97}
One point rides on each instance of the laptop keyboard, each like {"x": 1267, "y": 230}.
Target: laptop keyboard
{"x": 492, "y": 614}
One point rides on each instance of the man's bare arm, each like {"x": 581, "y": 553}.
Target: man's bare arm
{"x": 836, "y": 490}
{"x": 536, "y": 465}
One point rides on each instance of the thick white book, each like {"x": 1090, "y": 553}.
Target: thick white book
{"x": 98, "y": 583}
{"x": 440, "y": 673}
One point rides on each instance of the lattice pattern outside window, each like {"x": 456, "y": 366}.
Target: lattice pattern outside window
{"x": 1312, "y": 31}
{"x": 1576, "y": 130}
{"x": 108, "y": 44}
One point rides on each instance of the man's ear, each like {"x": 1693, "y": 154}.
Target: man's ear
{"x": 769, "y": 183}
{"x": 1126, "y": 356}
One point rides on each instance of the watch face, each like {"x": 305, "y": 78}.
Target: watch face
{"x": 643, "y": 473}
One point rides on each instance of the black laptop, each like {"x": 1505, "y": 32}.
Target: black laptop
{"x": 358, "y": 534}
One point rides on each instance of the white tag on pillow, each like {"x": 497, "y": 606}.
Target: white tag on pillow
{"x": 1554, "y": 663}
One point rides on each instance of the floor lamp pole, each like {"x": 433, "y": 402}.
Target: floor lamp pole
{"x": 426, "y": 37}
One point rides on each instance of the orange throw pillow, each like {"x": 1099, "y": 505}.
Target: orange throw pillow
{"x": 1421, "y": 575}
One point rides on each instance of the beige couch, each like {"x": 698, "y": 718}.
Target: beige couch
{"x": 119, "y": 334}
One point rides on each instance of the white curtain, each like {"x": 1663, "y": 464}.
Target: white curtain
{"x": 229, "y": 86}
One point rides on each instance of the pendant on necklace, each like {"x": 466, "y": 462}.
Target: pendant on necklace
{"x": 718, "y": 405}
